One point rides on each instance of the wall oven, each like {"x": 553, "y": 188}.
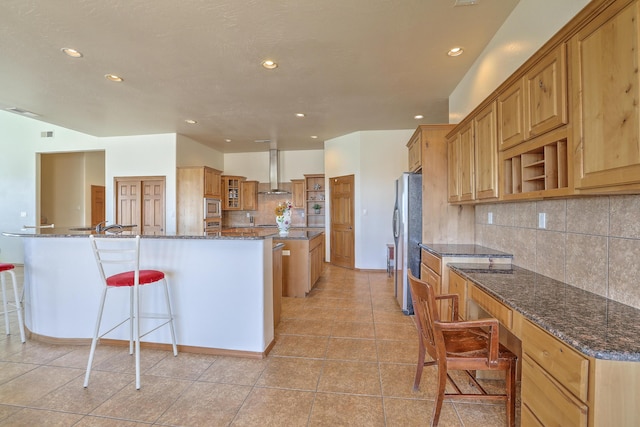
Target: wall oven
{"x": 212, "y": 216}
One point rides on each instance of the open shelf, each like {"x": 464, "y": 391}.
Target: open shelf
{"x": 540, "y": 169}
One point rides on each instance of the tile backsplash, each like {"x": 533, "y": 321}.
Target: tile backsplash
{"x": 592, "y": 242}
{"x": 265, "y": 214}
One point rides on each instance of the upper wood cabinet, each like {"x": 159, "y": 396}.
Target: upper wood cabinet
{"x": 461, "y": 164}
{"x": 415, "y": 151}
{"x": 511, "y": 130}
{"x": 486, "y": 153}
{"x": 249, "y": 195}
{"x": 212, "y": 183}
{"x": 232, "y": 200}
{"x": 546, "y": 93}
{"x": 606, "y": 89}
{"x": 297, "y": 192}
{"x": 473, "y": 159}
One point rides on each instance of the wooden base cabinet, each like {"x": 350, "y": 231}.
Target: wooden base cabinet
{"x": 302, "y": 263}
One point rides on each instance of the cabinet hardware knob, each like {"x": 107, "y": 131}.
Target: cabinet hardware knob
{"x": 540, "y": 84}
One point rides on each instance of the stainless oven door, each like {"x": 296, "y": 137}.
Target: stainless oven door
{"x": 212, "y": 208}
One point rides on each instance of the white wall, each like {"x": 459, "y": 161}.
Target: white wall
{"x": 376, "y": 159}
{"x": 193, "y": 153}
{"x": 292, "y": 164}
{"x": 531, "y": 24}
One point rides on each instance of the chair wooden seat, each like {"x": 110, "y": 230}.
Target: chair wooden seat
{"x": 468, "y": 346}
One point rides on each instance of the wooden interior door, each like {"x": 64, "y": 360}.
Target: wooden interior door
{"x": 342, "y": 221}
{"x": 141, "y": 201}
{"x": 153, "y": 207}
{"x": 97, "y": 204}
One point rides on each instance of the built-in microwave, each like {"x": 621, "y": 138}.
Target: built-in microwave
{"x": 212, "y": 208}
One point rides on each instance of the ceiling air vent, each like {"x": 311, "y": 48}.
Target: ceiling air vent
{"x": 46, "y": 134}
{"x": 22, "y": 112}
{"x": 466, "y": 2}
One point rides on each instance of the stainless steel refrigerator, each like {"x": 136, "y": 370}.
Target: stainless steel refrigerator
{"x": 407, "y": 234}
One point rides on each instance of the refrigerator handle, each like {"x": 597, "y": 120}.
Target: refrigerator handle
{"x": 396, "y": 232}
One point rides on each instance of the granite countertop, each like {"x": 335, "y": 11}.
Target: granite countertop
{"x": 592, "y": 324}
{"x": 462, "y": 250}
{"x": 225, "y": 234}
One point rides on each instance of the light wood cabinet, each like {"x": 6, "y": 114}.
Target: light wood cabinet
{"x": 302, "y": 261}
{"x": 297, "y": 193}
{"x": 462, "y": 165}
{"x": 415, "y": 151}
{"x": 315, "y": 196}
{"x": 232, "y": 200}
{"x": 604, "y": 58}
{"x": 554, "y": 379}
{"x": 511, "y": 127}
{"x": 193, "y": 185}
{"x": 249, "y": 195}
{"x": 473, "y": 159}
{"x": 486, "y": 153}
{"x": 546, "y": 93}
{"x": 458, "y": 286}
{"x": 212, "y": 183}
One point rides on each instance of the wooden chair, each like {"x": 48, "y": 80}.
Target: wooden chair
{"x": 459, "y": 345}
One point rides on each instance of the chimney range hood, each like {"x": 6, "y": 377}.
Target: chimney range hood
{"x": 274, "y": 174}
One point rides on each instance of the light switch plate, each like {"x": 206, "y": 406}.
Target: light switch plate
{"x": 542, "y": 220}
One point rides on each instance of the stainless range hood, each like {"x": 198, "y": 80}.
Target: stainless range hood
{"x": 274, "y": 173}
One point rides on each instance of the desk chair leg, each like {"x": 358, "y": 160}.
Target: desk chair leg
{"x": 94, "y": 341}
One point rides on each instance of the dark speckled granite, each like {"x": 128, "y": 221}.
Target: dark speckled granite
{"x": 594, "y": 325}
{"x": 457, "y": 250}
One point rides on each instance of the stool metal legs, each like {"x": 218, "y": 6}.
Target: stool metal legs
{"x": 5, "y": 304}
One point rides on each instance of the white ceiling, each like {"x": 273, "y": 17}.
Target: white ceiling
{"x": 349, "y": 65}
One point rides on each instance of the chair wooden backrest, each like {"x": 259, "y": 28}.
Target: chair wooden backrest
{"x": 468, "y": 345}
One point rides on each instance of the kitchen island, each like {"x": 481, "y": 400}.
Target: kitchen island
{"x": 221, "y": 290}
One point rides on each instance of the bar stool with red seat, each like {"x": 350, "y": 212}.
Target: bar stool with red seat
{"x": 125, "y": 252}
{"x": 8, "y": 269}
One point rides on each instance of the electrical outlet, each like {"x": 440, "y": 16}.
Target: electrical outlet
{"x": 542, "y": 220}
{"x": 248, "y": 215}
{"x": 490, "y": 218}
{"x": 23, "y": 214}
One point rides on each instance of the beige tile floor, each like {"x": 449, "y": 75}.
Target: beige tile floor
{"x": 344, "y": 356}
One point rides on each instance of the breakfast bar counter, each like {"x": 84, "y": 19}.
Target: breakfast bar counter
{"x": 220, "y": 286}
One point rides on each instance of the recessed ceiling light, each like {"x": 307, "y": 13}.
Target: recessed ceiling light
{"x": 71, "y": 52}
{"x": 227, "y": 141}
{"x": 418, "y": 116}
{"x": 455, "y": 51}
{"x": 191, "y": 121}
{"x": 269, "y": 64}
{"x": 300, "y": 114}
{"x": 314, "y": 136}
{"x": 113, "y": 78}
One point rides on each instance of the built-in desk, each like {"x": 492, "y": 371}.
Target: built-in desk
{"x": 580, "y": 351}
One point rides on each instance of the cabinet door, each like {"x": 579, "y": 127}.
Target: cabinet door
{"x": 511, "y": 116}
{"x": 606, "y": 90}
{"x": 467, "y": 161}
{"x": 249, "y": 190}
{"x": 415, "y": 151}
{"x": 212, "y": 183}
{"x": 232, "y": 193}
{"x": 546, "y": 92}
{"x": 486, "y": 153}
{"x": 297, "y": 191}
{"x": 453, "y": 172}
{"x": 458, "y": 286}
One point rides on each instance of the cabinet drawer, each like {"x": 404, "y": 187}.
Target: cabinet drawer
{"x": 491, "y": 306}
{"x": 432, "y": 261}
{"x": 566, "y": 365}
{"x": 551, "y": 403}
{"x": 527, "y": 419}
